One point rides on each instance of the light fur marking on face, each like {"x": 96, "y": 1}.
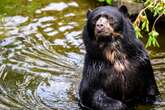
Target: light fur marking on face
{"x": 107, "y": 28}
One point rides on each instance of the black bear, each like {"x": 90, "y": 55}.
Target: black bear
{"x": 117, "y": 71}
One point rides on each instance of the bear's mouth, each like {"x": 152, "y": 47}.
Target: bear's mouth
{"x": 107, "y": 37}
{"x": 101, "y": 33}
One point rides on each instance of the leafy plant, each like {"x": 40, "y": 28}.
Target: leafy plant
{"x": 107, "y": 1}
{"x": 157, "y": 7}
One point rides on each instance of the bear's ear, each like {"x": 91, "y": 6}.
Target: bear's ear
{"x": 123, "y": 9}
{"x": 89, "y": 12}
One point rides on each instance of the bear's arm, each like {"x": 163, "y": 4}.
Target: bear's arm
{"x": 152, "y": 89}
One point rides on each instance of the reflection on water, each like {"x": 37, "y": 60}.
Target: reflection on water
{"x": 41, "y": 54}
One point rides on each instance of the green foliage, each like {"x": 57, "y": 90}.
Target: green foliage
{"x": 107, "y": 1}
{"x": 152, "y": 39}
{"x": 138, "y": 32}
{"x": 157, "y": 7}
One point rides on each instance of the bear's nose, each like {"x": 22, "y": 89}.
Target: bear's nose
{"x": 100, "y": 26}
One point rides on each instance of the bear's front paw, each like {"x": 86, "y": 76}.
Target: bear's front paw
{"x": 117, "y": 105}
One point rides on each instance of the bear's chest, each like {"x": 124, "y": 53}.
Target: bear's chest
{"x": 120, "y": 66}
{"x": 119, "y": 78}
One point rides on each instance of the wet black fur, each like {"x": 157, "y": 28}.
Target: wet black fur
{"x": 102, "y": 87}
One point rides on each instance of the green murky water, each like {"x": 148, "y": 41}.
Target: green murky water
{"x": 41, "y": 54}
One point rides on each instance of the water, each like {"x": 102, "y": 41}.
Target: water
{"x": 41, "y": 54}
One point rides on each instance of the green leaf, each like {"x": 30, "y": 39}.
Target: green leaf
{"x": 152, "y": 39}
{"x": 101, "y": 0}
{"x": 147, "y": 2}
{"x": 109, "y": 1}
{"x": 143, "y": 25}
{"x": 147, "y": 26}
{"x": 157, "y": 44}
{"x": 154, "y": 33}
{"x": 137, "y": 32}
{"x": 154, "y": 42}
{"x": 148, "y": 42}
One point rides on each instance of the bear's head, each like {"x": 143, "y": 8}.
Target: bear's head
{"x": 106, "y": 22}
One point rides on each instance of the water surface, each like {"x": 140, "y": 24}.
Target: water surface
{"x": 41, "y": 54}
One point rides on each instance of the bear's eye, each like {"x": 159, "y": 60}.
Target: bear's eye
{"x": 111, "y": 21}
{"x": 117, "y": 26}
{"x": 106, "y": 16}
{"x": 94, "y": 19}
{"x": 109, "y": 18}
